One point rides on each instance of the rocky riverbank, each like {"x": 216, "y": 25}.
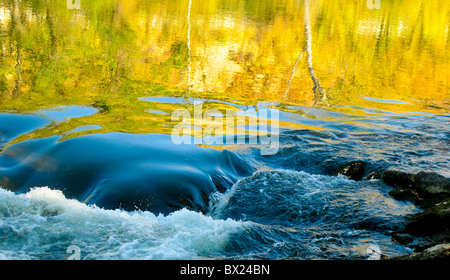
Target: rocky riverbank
{"x": 427, "y": 233}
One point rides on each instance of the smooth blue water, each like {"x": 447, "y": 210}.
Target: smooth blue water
{"x": 139, "y": 196}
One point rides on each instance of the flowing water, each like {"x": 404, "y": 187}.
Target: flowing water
{"x": 87, "y": 102}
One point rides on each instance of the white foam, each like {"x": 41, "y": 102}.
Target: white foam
{"x": 43, "y": 223}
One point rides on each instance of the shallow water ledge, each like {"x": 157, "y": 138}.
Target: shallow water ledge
{"x": 118, "y": 170}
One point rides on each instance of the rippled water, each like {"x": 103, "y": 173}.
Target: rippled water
{"x": 139, "y": 196}
{"x": 86, "y": 116}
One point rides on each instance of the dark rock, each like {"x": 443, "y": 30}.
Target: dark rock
{"x": 425, "y": 189}
{"x": 394, "y": 178}
{"x": 432, "y": 183}
{"x": 405, "y": 194}
{"x": 354, "y": 170}
{"x": 402, "y": 238}
{"x": 432, "y": 220}
{"x": 420, "y": 244}
{"x": 429, "y": 231}
{"x": 438, "y": 252}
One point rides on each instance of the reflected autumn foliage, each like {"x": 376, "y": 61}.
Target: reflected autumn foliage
{"x": 111, "y": 53}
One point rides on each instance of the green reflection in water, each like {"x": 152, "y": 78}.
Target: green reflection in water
{"x": 109, "y": 54}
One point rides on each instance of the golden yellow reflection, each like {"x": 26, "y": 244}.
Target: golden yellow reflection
{"x": 113, "y": 52}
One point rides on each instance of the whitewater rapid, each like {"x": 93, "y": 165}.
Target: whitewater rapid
{"x": 43, "y": 223}
{"x": 270, "y": 214}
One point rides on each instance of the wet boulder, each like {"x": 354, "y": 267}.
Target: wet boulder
{"x": 405, "y": 195}
{"x": 437, "y": 252}
{"x": 431, "y": 183}
{"x": 433, "y": 220}
{"x": 354, "y": 170}
{"x": 402, "y": 238}
{"x": 394, "y": 178}
{"x": 431, "y": 192}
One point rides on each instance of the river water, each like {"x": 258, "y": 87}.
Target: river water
{"x": 88, "y": 157}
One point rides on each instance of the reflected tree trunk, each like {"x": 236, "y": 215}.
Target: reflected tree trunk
{"x": 379, "y": 38}
{"x": 319, "y": 96}
{"x": 50, "y": 23}
{"x": 293, "y": 73}
{"x": 421, "y": 39}
{"x": 113, "y": 53}
{"x": 16, "y": 27}
{"x": 188, "y": 17}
